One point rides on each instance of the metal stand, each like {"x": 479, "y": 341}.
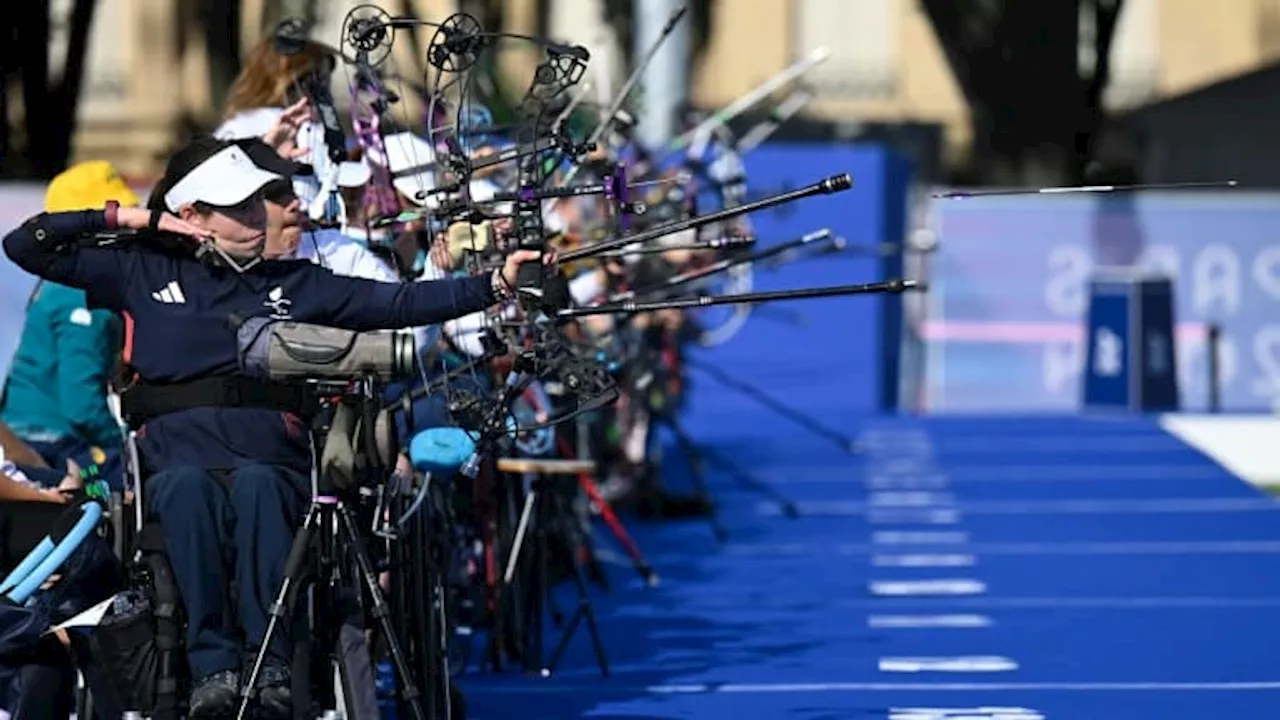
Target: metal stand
{"x": 329, "y": 521}
{"x": 543, "y": 505}
{"x": 696, "y": 469}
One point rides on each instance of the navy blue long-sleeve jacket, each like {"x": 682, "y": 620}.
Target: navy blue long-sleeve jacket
{"x": 178, "y": 315}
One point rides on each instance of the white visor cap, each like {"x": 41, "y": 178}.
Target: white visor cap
{"x": 412, "y": 163}
{"x": 354, "y": 174}
{"x": 226, "y": 179}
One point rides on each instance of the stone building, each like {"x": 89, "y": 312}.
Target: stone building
{"x": 886, "y": 64}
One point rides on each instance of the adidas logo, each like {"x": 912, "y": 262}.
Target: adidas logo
{"x": 170, "y": 294}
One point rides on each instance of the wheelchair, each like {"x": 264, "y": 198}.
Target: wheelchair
{"x": 62, "y": 580}
{"x": 148, "y": 641}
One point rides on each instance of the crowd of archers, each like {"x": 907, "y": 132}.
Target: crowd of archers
{"x": 551, "y": 282}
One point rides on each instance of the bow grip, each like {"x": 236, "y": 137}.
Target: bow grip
{"x": 540, "y": 287}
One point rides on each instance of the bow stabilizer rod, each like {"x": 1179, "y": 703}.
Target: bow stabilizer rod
{"x": 895, "y": 286}
{"x": 833, "y": 184}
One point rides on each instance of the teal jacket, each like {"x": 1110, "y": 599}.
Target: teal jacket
{"x": 57, "y": 384}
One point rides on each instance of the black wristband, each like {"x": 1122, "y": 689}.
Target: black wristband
{"x": 154, "y": 223}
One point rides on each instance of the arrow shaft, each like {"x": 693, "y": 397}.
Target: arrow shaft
{"x": 1085, "y": 189}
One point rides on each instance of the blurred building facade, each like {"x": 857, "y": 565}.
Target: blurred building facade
{"x": 144, "y": 77}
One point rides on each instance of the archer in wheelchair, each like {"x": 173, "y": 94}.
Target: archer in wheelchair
{"x": 225, "y": 456}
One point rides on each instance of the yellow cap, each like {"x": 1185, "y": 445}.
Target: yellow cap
{"x": 88, "y": 186}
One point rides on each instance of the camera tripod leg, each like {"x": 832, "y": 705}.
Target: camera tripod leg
{"x": 522, "y": 531}
{"x": 592, "y": 490}
{"x": 583, "y": 612}
{"x": 694, "y": 458}
{"x": 381, "y": 612}
{"x": 280, "y": 609}
{"x": 611, "y": 520}
{"x": 442, "y": 646}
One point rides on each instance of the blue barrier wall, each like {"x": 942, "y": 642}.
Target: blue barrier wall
{"x": 1009, "y": 294}
{"x": 833, "y": 357}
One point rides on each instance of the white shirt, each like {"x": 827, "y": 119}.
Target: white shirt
{"x": 344, "y": 256}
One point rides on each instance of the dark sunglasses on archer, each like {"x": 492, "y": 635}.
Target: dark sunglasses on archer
{"x": 250, "y": 207}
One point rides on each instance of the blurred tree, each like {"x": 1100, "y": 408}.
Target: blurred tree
{"x": 49, "y": 104}
{"x": 274, "y": 11}
{"x": 220, "y": 20}
{"x": 1036, "y": 107}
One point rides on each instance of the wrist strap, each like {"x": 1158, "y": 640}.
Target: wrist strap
{"x": 154, "y": 223}
{"x": 501, "y": 288}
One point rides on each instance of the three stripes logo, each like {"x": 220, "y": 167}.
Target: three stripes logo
{"x": 170, "y": 294}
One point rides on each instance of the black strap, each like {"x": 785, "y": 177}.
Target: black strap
{"x": 144, "y": 401}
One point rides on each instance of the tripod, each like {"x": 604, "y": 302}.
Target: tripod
{"x": 329, "y": 538}
{"x": 329, "y": 520}
{"x": 545, "y": 504}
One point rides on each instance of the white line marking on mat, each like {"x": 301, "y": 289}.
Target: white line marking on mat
{"x": 963, "y": 474}
{"x": 985, "y": 712}
{"x": 909, "y": 537}
{"x": 927, "y": 587}
{"x": 1208, "y": 547}
{"x": 1060, "y": 603}
{"x": 963, "y": 663}
{"x": 909, "y": 499}
{"x": 883, "y": 482}
{"x": 918, "y": 561}
{"x": 928, "y": 621}
{"x": 878, "y": 555}
{"x": 835, "y": 508}
{"x": 896, "y": 687}
{"x": 909, "y": 516}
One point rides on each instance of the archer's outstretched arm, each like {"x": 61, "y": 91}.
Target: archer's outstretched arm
{"x": 360, "y": 305}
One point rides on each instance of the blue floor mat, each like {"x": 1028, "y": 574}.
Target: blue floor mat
{"x": 1004, "y": 569}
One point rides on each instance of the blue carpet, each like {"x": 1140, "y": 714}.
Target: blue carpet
{"x": 1034, "y": 567}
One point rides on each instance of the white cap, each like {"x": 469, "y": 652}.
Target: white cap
{"x": 412, "y": 163}
{"x": 354, "y": 174}
{"x": 226, "y": 179}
